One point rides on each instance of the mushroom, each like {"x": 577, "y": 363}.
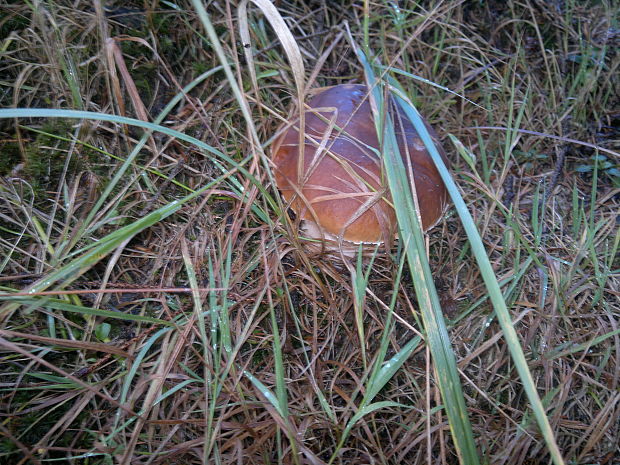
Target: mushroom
{"x": 337, "y": 184}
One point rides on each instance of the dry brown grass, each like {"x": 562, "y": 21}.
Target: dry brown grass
{"x": 551, "y": 232}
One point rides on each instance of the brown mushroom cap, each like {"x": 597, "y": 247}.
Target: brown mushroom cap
{"x": 340, "y": 183}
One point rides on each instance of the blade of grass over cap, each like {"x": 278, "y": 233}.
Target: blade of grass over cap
{"x": 410, "y": 233}
{"x": 488, "y": 275}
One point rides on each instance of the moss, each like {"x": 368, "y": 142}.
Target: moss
{"x": 13, "y": 22}
{"x": 31, "y": 427}
{"x": 164, "y": 26}
{"x": 10, "y": 156}
{"x": 45, "y": 157}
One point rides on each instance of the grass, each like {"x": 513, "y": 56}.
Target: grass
{"x": 157, "y": 304}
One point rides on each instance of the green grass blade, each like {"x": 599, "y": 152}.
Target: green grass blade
{"x": 57, "y": 304}
{"x": 367, "y": 410}
{"x": 361, "y": 413}
{"x": 389, "y": 369}
{"x": 410, "y": 233}
{"x": 266, "y": 392}
{"x": 490, "y": 280}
